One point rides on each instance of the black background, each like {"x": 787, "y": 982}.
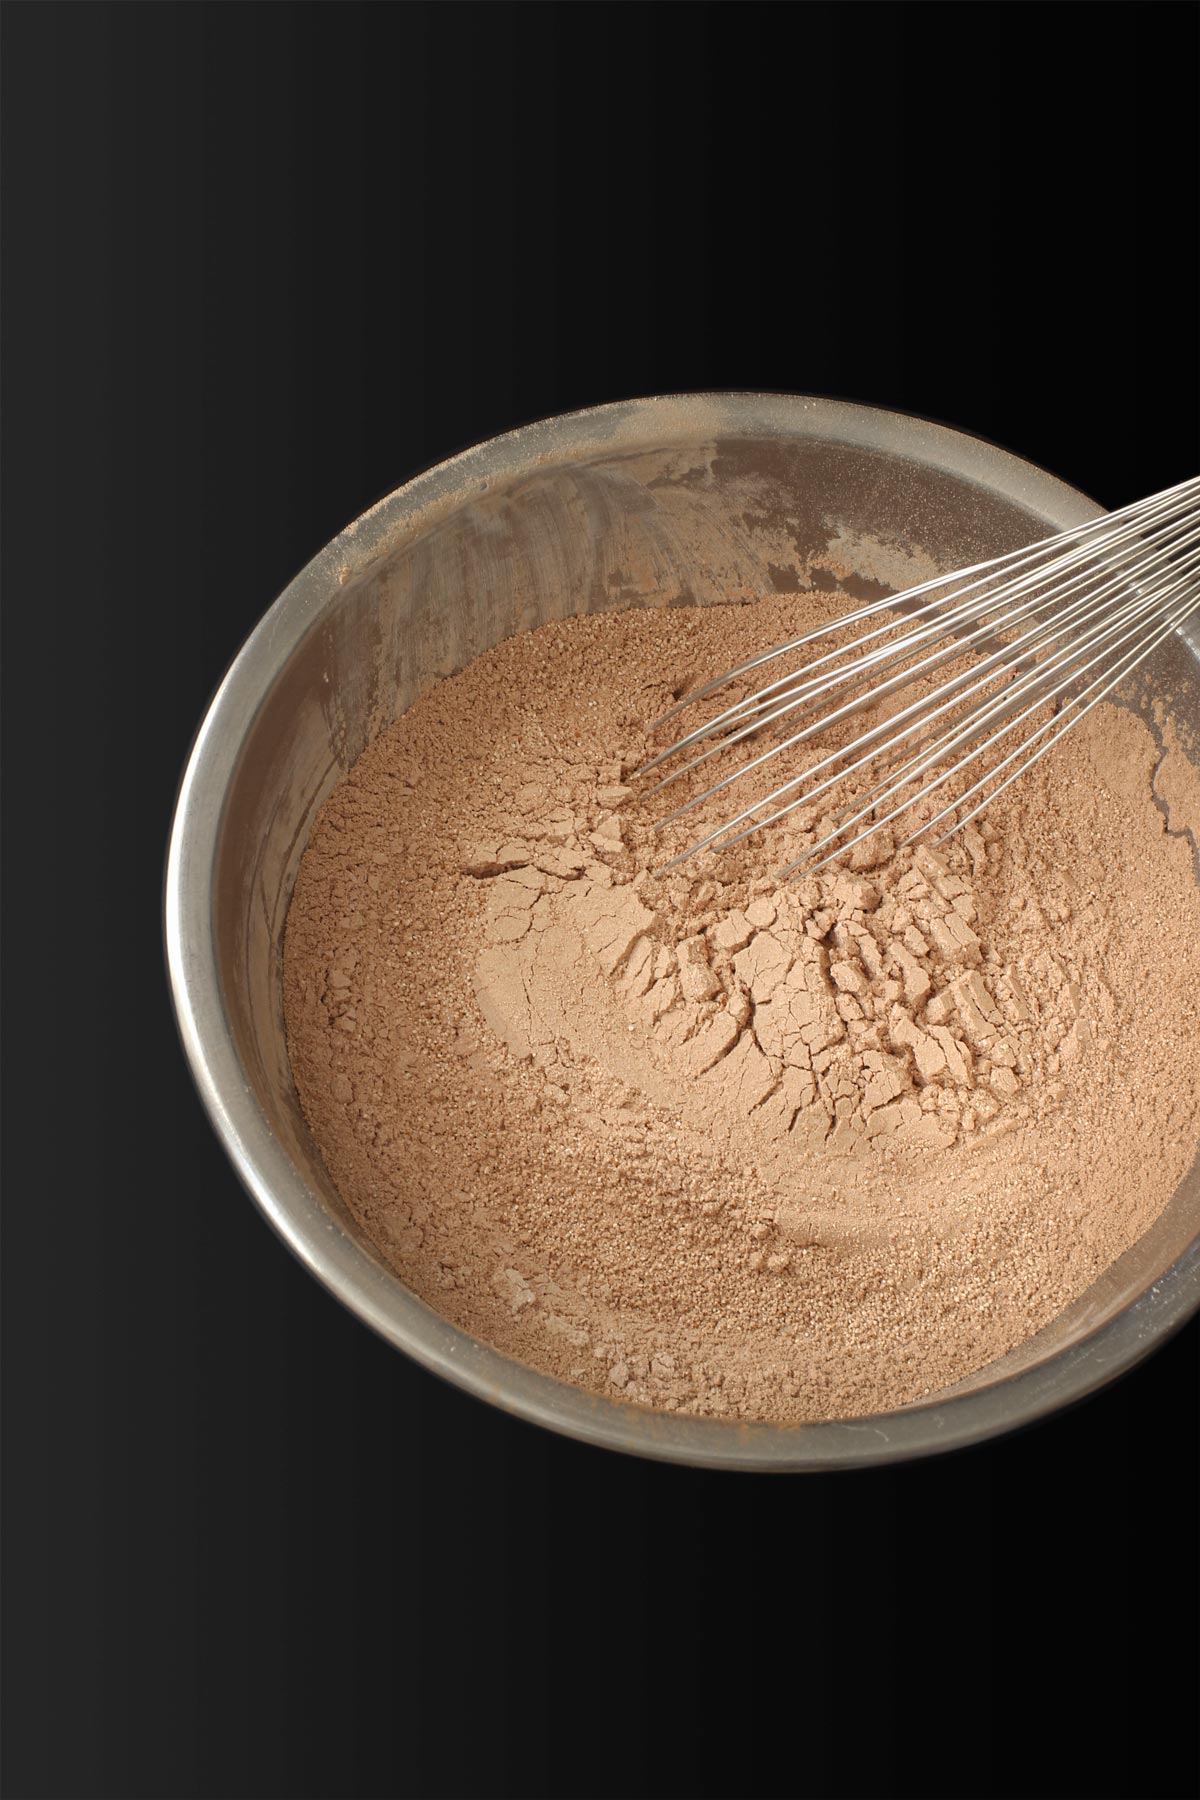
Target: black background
{"x": 260, "y": 264}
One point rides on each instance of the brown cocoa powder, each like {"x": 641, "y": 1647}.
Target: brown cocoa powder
{"x": 712, "y": 1141}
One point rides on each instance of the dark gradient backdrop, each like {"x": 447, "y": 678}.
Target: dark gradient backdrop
{"x": 261, "y": 263}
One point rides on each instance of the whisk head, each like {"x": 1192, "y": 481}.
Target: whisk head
{"x": 1049, "y": 629}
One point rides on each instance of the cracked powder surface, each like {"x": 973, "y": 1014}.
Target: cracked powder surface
{"x": 709, "y": 1140}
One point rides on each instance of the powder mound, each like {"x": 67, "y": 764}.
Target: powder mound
{"x": 712, "y": 1141}
{"x": 856, "y": 1003}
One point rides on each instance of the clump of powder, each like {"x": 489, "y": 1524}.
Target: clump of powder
{"x": 712, "y": 1141}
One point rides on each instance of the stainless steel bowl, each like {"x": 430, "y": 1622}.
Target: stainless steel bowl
{"x": 646, "y": 503}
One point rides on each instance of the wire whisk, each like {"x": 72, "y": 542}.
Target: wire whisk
{"x": 1059, "y": 623}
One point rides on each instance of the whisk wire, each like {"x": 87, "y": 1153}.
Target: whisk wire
{"x": 1124, "y": 669}
{"x": 949, "y": 739}
{"x": 870, "y": 807}
{"x": 1115, "y": 587}
{"x": 970, "y": 681}
{"x": 1014, "y": 558}
{"x": 803, "y": 697}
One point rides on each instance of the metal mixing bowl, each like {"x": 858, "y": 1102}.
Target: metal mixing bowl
{"x": 653, "y": 502}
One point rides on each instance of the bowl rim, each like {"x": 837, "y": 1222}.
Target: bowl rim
{"x": 346, "y": 1266}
